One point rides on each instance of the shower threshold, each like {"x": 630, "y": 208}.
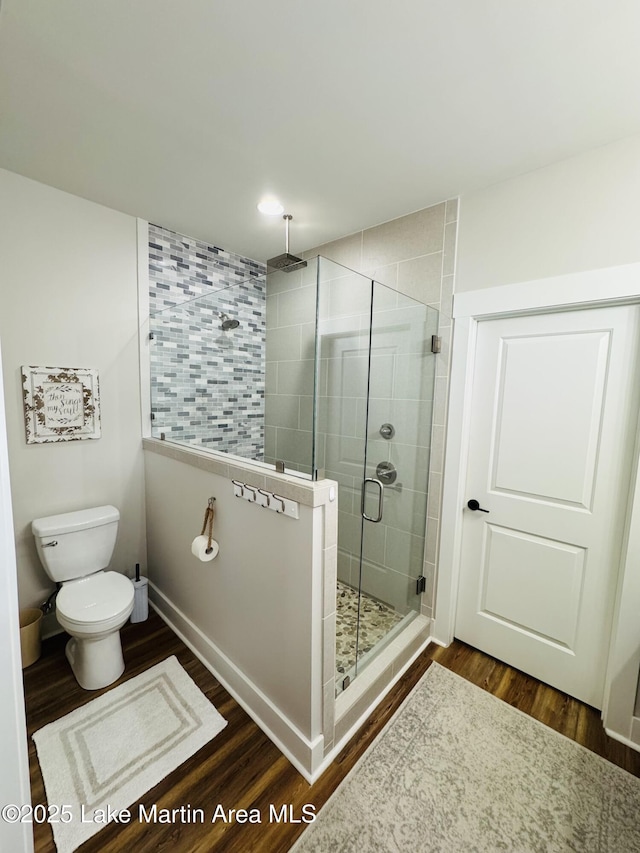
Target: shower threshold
{"x": 379, "y": 625}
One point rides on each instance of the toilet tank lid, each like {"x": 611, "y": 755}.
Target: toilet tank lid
{"x": 69, "y": 522}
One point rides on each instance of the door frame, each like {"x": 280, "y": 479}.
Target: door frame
{"x": 591, "y": 289}
{"x": 14, "y": 785}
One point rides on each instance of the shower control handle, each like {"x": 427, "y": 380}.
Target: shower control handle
{"x": 380, "y": 499}
{"x": 474, "y": 505}
{"x": 386, "y": 473}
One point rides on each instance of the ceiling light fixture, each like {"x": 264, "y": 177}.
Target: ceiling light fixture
{"x": 271, "y": 207}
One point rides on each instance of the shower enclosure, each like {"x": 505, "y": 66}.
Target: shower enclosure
{"x": 327, "y": 373}
{"x": 375, "y": 381}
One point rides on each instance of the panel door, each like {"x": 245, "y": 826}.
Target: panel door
{"x": 553, "y": 418}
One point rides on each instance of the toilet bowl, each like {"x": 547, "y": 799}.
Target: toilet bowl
{"x": 92, "y": 610}
{"x": 92, "y": 604}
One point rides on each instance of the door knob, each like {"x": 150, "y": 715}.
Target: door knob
{"x": 474, "y": 505}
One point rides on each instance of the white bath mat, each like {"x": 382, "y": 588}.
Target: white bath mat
{"x": 110, "y": 752}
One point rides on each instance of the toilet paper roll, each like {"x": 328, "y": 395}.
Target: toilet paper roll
{"x": 199, "y": 548}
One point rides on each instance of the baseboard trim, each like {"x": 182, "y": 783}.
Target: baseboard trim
{"x": 621, "y": 739}
{"x": 304, "y": 754}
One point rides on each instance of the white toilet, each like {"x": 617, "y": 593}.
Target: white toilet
{"x": 92, "y": 604}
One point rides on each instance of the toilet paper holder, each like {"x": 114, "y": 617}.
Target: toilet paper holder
{"x": 208, "y": 522}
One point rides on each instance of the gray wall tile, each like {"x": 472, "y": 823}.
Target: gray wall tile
{"x": 409, "y": 236}
{"x": 207, "y": 386}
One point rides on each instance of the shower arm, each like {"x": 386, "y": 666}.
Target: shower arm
{"x": 287, "y": 219}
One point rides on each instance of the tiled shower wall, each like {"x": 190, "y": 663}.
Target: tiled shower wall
{"x": 415, "y": 255}
{"x": 207, "y": 385}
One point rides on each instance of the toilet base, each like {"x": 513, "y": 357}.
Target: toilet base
{"x": 96, "y": 663}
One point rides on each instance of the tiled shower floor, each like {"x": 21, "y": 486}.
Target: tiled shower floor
{"x": 376, "y": 620}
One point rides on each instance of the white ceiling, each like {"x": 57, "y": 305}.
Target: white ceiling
{"x": 352, "y": 112}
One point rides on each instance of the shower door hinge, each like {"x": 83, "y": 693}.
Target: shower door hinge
{"x": 346, "y": 681}
{"x": 150, "y": 336}
{"x": 436, "y": 343}
{"x": 153, "y": 417}
{"x": 421, "y": 584}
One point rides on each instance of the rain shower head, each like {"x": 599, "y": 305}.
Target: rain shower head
{"x": 286, "y": 262}
{"x": 227, "y": 322}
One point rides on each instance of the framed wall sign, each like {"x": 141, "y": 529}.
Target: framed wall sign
{"x": 60, "y": 403}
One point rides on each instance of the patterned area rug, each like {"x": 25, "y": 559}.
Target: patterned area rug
{"x": 458, "y": 770}
{"x": 376, "y": 620}
{"x": 107, "y": 754}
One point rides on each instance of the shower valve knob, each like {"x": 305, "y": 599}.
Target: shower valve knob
{"x": 474, "y": 505}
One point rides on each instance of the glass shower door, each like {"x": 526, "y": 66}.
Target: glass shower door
{"x": 374, "y": 393}
{"x": 397, "y": 423}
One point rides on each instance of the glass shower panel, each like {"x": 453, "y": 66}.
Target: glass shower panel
{"x": 232, "y": 370}
{"x": 397, "y": 415}
{"x": 290, "y": 352}
{"x": 344, "y": 314}
{"x": 207, "y": 370}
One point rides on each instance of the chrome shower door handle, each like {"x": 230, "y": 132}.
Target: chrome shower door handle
{"x": 380, "y": 499}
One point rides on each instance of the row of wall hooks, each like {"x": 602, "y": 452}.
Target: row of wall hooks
{"x": 266, "y": 499}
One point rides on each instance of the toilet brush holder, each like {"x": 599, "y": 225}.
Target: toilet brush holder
{"x": 140, "y": 610}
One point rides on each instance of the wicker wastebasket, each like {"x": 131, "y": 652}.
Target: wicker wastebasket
{"x": 30, "y": 635}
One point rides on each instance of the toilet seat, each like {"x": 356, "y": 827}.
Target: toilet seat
{"x": 96, "y": 601}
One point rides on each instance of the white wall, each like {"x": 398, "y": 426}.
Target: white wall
{"x": 256, "y": 613}
{"x": 68, "y": 298}
{"x": 579, "y": 214}
{"x": 254, "y": 600}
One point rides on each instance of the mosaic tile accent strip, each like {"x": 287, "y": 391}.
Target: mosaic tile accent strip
{"x": 207, "y": 384}
{"x": 376, "y": 620}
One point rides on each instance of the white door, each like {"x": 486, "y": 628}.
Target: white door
{"x": 553, "y": 419}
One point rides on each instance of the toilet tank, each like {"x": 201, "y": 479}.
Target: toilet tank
{"x": 84, "y": 542}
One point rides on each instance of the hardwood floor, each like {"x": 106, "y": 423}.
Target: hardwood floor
{"x": 241, "y": 769}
